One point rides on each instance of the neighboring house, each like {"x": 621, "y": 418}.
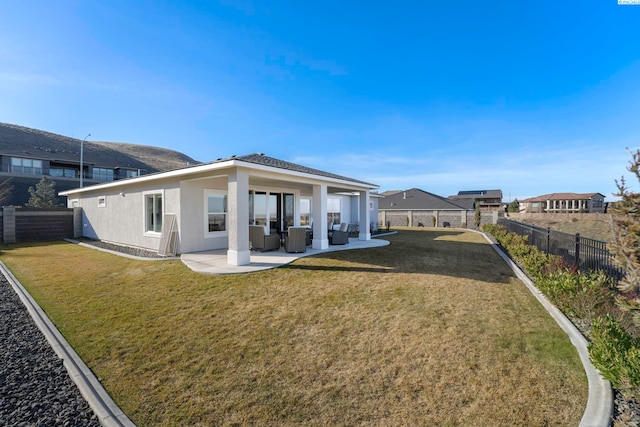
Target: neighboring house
{"x": 564, "y": 203}
{"x": 57, "y": 165}
{"x": 418, "y": 208}
{"x": 26, "y": 155}
{"x": 26, "y": 168}
{"x": 485, "y": 199}
{"x": 212, "y": 205}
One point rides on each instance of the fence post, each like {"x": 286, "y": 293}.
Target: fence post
{"x": 548, "y": 240}
{"x": 577, "y": 263}
{"x": 9, "y": 224}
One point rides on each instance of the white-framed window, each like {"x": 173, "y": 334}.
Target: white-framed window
{"x": 131, "y": 174}
{"x": 215, "y": 215}
{"x": 153, "y": 212}
{"x": 102, "y": 201}
{"x": 333, "y": 210}
{"x": 305, "y": 211}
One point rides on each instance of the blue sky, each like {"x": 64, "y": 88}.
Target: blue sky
{"x": 526, "y": 97}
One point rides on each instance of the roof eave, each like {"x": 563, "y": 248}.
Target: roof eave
{"x": 218, "y": 165}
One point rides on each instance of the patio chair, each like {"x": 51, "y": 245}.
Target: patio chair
{"x": 296, "y": 239}
{"x": 261, "y": 241}
{"x": 340, "y": 236}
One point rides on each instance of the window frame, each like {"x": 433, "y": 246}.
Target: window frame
{"x": 35, "y": 166}
{"x": 103, "y": 174}
{"x": 332, "y": 214}
{"x": 206, "y": 194}
{"x": 145, "y": 196}
{"x": 304, "y": 200}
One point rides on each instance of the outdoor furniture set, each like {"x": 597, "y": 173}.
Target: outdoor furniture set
{"x": 294, "y": 240}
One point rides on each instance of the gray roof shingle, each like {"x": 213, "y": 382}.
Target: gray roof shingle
{"x": 416, "y": 199}
{"x": 261, "y": 159}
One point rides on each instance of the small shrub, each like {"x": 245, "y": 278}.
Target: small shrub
{"x": 616, "y": 355}
{"x": 494, "y": 229}
{"x": 581, "y": 296}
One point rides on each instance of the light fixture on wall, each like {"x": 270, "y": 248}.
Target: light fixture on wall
{"x": 122, "y": 193}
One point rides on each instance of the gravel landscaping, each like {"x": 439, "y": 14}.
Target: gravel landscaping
{"x": 35, "y": 388}
{"x": 128, "y": 250}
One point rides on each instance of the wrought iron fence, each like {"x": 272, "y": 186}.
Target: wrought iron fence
{"x": 582, "y": 252}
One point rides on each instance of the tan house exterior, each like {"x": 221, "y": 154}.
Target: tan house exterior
{"x": 564, "y": 203}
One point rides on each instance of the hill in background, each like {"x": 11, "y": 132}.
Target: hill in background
{"x": 20, "y": 141}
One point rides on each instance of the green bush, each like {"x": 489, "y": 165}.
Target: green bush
{"x": 586, "y": 297}
{"x": 495, "y": 230}
{"x": 581, "y": 296}
{"x": 616, "y": 355}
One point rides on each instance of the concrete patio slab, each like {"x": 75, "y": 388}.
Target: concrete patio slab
{"x": 215, "y": 261}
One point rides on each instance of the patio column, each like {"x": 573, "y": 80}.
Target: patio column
{"x": 238, "y": 218}
{"x": 320, "y": 226}
{"x": 365, "y": 216}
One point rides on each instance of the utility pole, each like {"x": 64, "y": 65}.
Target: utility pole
{"x": 82, "y": 159}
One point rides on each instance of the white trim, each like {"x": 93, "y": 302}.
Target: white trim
{"x": 147, "y": 233}
{"x": 214, "y": 234}
{"x": 299, "y": 210}
{"x": 268, "y": 172}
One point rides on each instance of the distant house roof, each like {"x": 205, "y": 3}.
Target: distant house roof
{"x": 416, "y": 199}
{"x": 561, "y": 196}
{"x": 389, "y": 192}
{"x": 478, "y": 194}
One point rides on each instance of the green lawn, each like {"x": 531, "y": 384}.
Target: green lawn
{"x": 431, "y": 330}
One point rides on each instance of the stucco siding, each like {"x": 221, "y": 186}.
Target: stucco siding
{"x": 193, "y": 215}
{"x": 120, "y": 218}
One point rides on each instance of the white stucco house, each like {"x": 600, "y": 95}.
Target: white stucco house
{"x": 210, "y": 206}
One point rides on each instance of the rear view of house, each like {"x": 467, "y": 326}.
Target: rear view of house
{"x": 210, "y": 206}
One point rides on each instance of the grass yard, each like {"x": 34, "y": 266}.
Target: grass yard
{"x": 431, "y": 330}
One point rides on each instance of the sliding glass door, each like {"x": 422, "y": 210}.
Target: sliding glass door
{"x": 276, "y": 210}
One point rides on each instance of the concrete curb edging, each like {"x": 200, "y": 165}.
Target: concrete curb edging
{"x": 109, "y": 414}
{"x": 109, "y": 251}
{"x": 599, "y": 409}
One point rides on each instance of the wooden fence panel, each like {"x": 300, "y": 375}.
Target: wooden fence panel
{"x": 33, "y": 224}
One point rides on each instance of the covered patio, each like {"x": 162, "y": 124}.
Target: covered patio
{"x": 211, "y": 206}
{"x": 215, "y": 261}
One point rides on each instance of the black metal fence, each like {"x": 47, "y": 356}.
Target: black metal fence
{"x": 582, "y": 252}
